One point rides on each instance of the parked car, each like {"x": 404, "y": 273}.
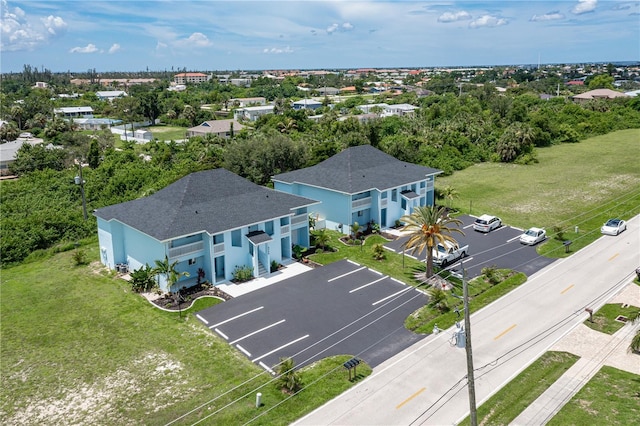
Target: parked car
{"x": 486, "y": 223}
{"x": 613, "y": 227}
{"x": 448, "y": 253}
{"x": 533, "y": 236}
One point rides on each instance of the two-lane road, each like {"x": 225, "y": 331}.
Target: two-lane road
{"x": 425, "y": 384}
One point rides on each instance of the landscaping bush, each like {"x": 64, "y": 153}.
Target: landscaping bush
{"x": 242, "y": 273}
{"x": 142, "y": 280}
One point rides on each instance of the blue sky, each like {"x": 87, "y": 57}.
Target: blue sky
{"x": 202, "y": 35}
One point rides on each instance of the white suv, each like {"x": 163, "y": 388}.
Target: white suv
{"x": 486, "y": 223}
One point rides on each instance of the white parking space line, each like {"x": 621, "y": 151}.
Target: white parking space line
{"x": 500, "y": 228}
{"x": 236, "y": 317}
{"x": 468, "y": 226}
{"x": 202, "y": 319}
{"x": 352, "y": 262}
{"x": 221, "y": 333}
{"x": 368, "y": 284}
{"x": 280, "y": 348}
{"x": 348, "y": 273}
{"x": 243, "y": 350}
{"x": 266, "y": 367}
{"x": 398, "y": 281}
{"x": 513, "y": 239}
{"x": 376, "y": 272}
{"x": 393, "y": 295}
{"x": 257, "y": 331}
{"x": 459, "y": 263}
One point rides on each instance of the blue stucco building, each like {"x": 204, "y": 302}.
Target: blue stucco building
{"x": 213, "y": 219}
{"x": 361, "y": 184}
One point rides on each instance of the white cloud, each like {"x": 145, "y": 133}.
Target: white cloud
{"x": 89, "y": 48}
{"x": 114, "y": 48}
{"x": 551, "y": 16}
{"x": 488, "y": 21}
{"x": 19, "y": 34}
{"x": 54, "y": 25}
{"x": 344, "y": 27}
{"x": 277, "y": 51}
{"x": 194, "y": 40}
{"x": 454, "y": 16}
{"x": 584, "y": 6}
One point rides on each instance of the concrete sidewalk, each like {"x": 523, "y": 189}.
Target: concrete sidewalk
{"x": 290, "y": 269}
{"x": 595, "y": 350}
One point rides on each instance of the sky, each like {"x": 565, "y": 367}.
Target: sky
{"x": 208, "y": 35}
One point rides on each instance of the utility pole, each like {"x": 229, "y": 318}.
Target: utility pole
{"x": 473, "y": 415}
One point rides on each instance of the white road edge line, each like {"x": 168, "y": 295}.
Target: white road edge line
{"x": 348, "y": 273}
{"x": 221, "y": 333}
{"x": 281, "y": 347}
{"x": 236, "y": 317}
{"x": 244, "y": 350}
{"x": 367, "y": 285}
{"x": 393, "y": 295}
{"x": 257, "y": 331}
{"x": 202, "y": 319}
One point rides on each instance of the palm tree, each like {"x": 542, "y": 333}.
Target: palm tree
{"x": 429, "y": 226}
{"x": 449, "y": 193}
{"x": 288, "y": 378}
{"x": 321, "y": 238}
{"x": 163, "y": 267}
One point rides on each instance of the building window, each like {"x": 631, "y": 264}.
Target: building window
{"x": 192, "y": 262}
{"x": 236, "y": 238}
{"x": 404, "y": 204}
{"x": 394, "y": 195}
{"x": 253, "y": 228}
{"x": 217, "y": 239}
{"x": 384, "y": 195}
{"x": 268, "y": 227}
{"x": 360, "y": 213}
{"x": 284, "y": 221}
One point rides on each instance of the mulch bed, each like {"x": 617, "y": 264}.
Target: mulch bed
{"x": 170, "y": 301}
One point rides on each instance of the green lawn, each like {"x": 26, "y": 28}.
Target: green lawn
{"x": 511, "y": 400}
{"x": 610, "y": 398}
{"x": 77, "y": 347}
{"x": 572, "y": 185}
{"x": 168, "y": 133}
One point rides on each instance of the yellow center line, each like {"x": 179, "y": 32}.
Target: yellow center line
{"x": 566, "y": 289}
{"x": 505, "y": 332}
{"x": 410, "y": 398}
{"x": 613, "y": 257}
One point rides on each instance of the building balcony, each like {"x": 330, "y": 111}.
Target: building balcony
{"x": 186, "y": 249}
{"x": 361, "y": 203}
{"x": 218, "y": 248}
{"x": 301, "y": 218}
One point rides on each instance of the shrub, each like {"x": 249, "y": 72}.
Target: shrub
{"x": 378, "y": 252}
{"x": 142, "y": 279}
{"x": 297, "y": 251}
{"x": 438, "y": 300}
{"x": 80, "y": 257}
{"x": 559, "y": 233}
{"x": 242, "y": 273}
{"x": 288, "y": 378}
{"x": 274, "y": 266}
{"x": 491, "y": 273}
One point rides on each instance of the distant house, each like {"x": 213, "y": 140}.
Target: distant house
{"x": 361, "y": 184}
{"x": 191, "y": 77}
{"x": 110, "y": 95}
{"x": 368, "y": 108}
{"x": 222, "y": 128}
{"x": 598, "y": 94}
{"x": 400, "y": 109}
{"x": 246, "y": 102}
{"x": 252, "y": 113}
{"x": 74, "y": 112}
{"x": 95, "y": 123}
{"x": 41, "y": 85}
{"x": 9, "y": 150}
{"x": 212, "y": 220}
{"x": 328, "y": 91}
{"x": 306, "y": 104}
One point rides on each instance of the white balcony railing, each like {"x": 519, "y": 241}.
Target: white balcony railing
{"x": 299, "y": 219}
{"x": 186, "y": 249}
{"x": 383, "y": 202}
{"x": 362, "y": 202}
{"x": 284, "y": 229}
{"x": 218, "y": 248}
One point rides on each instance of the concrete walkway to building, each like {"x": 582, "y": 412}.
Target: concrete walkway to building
{"x": 595, "y": 350}
{"x": 290, "y": 269}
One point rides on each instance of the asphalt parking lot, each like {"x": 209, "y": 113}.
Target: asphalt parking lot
{"x": 499, "y": 247}
{"x": 341, "y": 308}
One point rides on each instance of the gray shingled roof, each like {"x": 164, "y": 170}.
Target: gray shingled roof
{"x": 358, "y": 169}
{"x": 211, "y": 200}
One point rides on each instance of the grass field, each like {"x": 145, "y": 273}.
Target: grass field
{"x": 77, "y": 347}
{"x": 572, "y": 185}
{"x": 168, "y": 133}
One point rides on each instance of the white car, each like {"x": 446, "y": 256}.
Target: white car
{"x": 613, "y": 227}
{"x": 533, "y": 236}
{"x": 486, "y": 223}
